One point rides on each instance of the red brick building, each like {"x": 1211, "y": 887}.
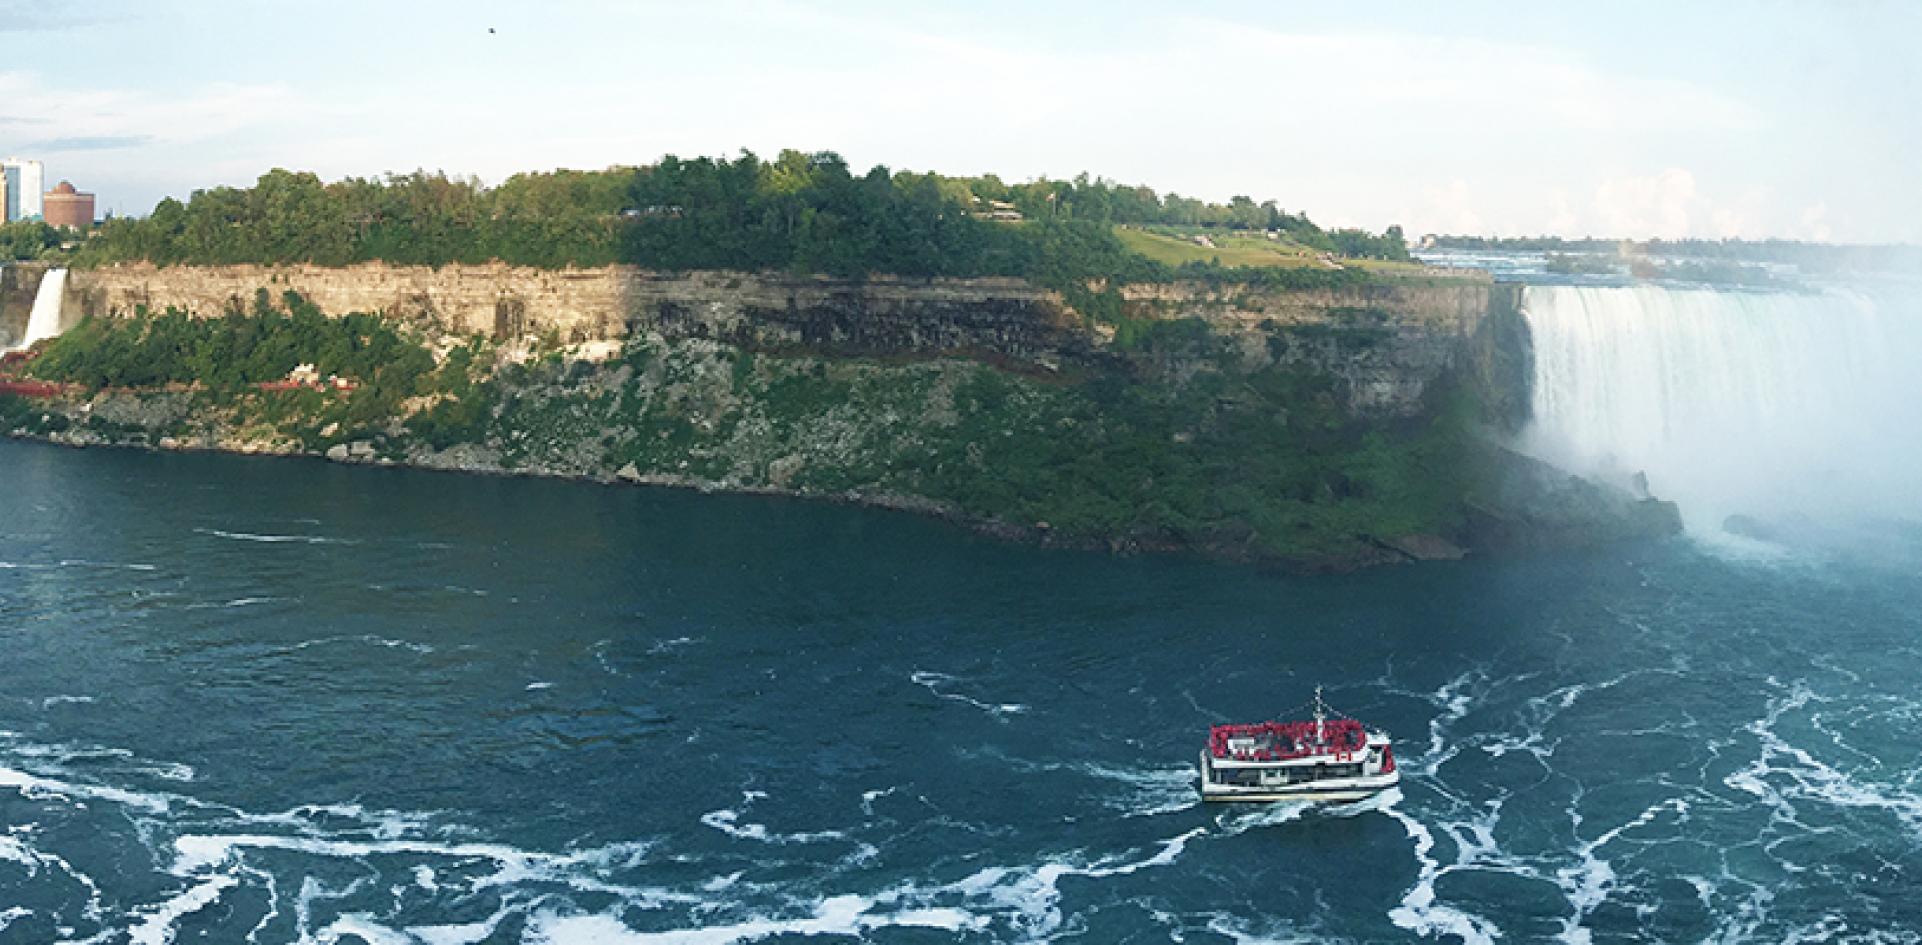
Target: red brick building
{"x": 68, "y": 207}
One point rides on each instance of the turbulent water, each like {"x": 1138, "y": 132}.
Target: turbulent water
{"x": 1783, "y": 406}
{"x": 278, "y": 701}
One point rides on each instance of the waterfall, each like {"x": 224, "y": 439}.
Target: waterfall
{"x": 44, "y": 322}
{"x": 1782, "y": 406}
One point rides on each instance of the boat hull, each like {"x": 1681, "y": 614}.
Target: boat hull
{"x": 1331, "y": 790}
{"x": 1264, "y": 796}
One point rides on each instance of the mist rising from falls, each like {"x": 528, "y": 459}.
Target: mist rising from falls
{"x": 44, "y": 321}
{"x": 1776, "y": 405}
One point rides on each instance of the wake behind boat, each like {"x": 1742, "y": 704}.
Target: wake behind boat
{"x": 1323, "y": 759}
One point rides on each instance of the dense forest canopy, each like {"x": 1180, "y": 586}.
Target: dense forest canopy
{"x": 28, "y": 239}
{"x": 799, "y": 212}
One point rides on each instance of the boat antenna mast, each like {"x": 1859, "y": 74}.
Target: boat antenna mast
{"x": 1321, "y": 714}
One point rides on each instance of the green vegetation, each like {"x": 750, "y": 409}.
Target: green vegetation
{"x": 803, "y": 213}
{"x": 28, "y": 239}
{"x": 1263, "y": 462}
{"x": 228, "y": 353}
{"x": 1172, "y": 247}
{"x": 558, "y": 219}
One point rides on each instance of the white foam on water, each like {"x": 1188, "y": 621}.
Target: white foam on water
{"x": 1454, "y": 700}
{"x": 1741, "y": 926}
{"x": 1236, "y": 821}
{"x": 471, "y": 933}
{"x": 110, "y": 565}
{"x": 661, "y": 647}
{"x": 728, "y": 821}
{"x": 1419, "y": 911}
{"x": 156, "y": 926}
{"x": 39, "y": 788}
{"x": 1539, "y": 711}
{"x": 367, "y": 638}
{"x": 869, "y": 797}
{"x": 1784, "y": 773}
{"x": 306, "y": 818}
{"x": 198, "y": 854}
{"x": 1587, "y": 883}
{"x": 1031, "y": 896}
{"x": 1025, "y": 899}
{"x": 1235, "y": 929}
{"x": 1150, "y": 792}
{"x": 276, "y": 539}
{"x": 1146, "y": 792}
{"x": 836, "y": 915}
{"x": 370, "y": 929}
{"x": 12, "y": 850}
{"x": 51, "y": 701}
{"x": 933, "y": 682}
{"x": 236, "y": 602}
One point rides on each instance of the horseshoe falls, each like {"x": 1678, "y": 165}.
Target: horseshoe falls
{"x": 1791, "y": 408}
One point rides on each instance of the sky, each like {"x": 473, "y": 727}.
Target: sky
{"x": 1634, "y": 119}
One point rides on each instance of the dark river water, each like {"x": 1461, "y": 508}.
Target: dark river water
{"x": 275, "y": 701}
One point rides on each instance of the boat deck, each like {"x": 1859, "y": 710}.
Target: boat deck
{"x": 1286, "y": 741}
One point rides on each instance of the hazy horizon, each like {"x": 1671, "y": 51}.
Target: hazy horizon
{"x": 1486, "y": 118}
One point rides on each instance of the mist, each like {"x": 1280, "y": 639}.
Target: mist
{"x": 1764, "y": 413}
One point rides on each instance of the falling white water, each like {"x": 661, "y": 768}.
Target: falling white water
{"x": 44, "y": 321}
{"x": 1775, "y": 405}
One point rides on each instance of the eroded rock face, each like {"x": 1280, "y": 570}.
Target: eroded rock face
{"x": 1385, "y": 345}
{"x": 1006, "y": 318}
{"x": 1522, "y": 503}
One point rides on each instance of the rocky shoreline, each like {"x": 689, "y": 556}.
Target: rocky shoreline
{"x": 1526, "y": 506}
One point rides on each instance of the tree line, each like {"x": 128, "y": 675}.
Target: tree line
{"x": 800, "y": 212}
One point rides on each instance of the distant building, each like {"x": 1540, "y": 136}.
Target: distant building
{"x": 24, "y": 181}
{"x": 68, "y": 207}
{"x": 1000, "y": 210}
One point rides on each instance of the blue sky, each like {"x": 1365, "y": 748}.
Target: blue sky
{"x": 1639, "y": 119}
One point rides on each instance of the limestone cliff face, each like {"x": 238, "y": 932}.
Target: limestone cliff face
{"x": 1386, "y": 345}
{"x": 997, "y": 317}
{"x": 494, "y": 299}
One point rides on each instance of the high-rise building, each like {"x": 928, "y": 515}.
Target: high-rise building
{"x": 6, "y": 186}
{"x": 68, "y": 207}
{"x": 25, "y": 184}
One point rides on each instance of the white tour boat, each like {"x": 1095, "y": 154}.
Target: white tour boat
{"x": 1325, "y": 759}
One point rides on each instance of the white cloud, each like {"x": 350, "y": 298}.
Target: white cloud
{"x": 68, "y": 111}
{"x": 1369, "y": 129}
{"x": 1660, "y": 204}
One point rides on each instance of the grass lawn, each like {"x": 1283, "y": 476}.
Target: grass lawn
{"x": 1231, "y": 250}
{"x": 1258, "y": 251}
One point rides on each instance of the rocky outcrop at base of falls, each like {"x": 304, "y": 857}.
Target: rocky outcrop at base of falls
{"x": 1522, "y": 503}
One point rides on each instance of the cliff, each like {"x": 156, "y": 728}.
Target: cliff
{"x": 1386, "y": 344}
{"x": 1323, "y": 429}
